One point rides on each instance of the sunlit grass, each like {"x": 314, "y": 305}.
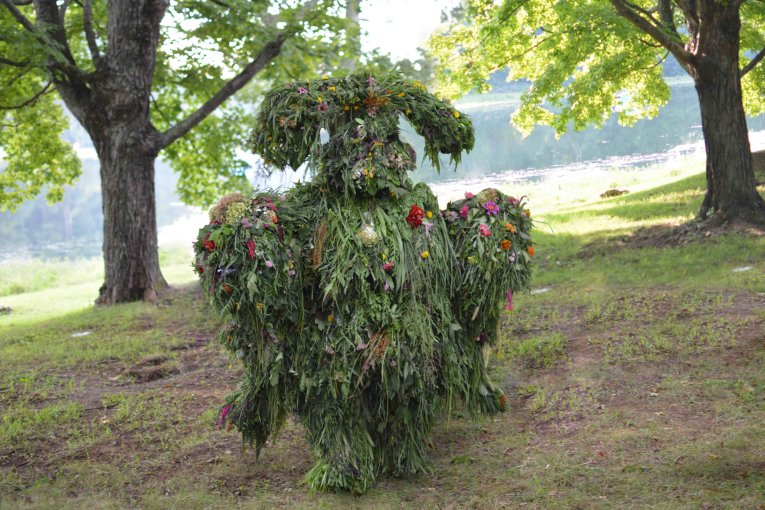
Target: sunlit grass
{"x": 53, "y": 296}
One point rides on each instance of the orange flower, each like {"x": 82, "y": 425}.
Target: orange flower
{"x": 530, "y": 250}
{"x": 505, "y": 244}
{"x": 510, "y": 227}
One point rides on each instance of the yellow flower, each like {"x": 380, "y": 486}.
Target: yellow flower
{"x": 356, "y": 107}
{"x": 429, "y": 214}
{"x": 425, "y": 254}
{"x": 528, "y": 213}
{"x": 259, "y": 306}
{"x": 401, "y": 94}
{"x": 366, "y": 172}
{"x": 331, "y": 88}
{"x": 319, "y": 100}
{"x": 456, "y": 114}
{"x": 383, "y": 256}
{"x": 330, "y": 318}
{"x": 346, "y": 108}
{"x": 408, "y": 111}
{"x": 325, "y": 77}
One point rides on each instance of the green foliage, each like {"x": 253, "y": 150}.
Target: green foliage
{"x": 542, "y": 351}
{"x": 34, "y": 156}
{"x": 583, "y": 60}
{"x": 352, "y": 301}
{"x": 202, "y": 46}
{"x": 216, "y": 43}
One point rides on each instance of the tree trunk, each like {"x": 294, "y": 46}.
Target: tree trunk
{"x": 131, "y": 259}
{"x": 731, "y": 191}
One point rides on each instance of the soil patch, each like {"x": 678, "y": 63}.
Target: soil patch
{"x": 664, "y": 236}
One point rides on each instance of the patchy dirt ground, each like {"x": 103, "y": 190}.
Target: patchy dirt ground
{"x": 658, "y": 397}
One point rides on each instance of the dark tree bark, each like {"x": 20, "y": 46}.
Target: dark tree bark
{"x": 131, "y": 260}
{"x": 113, "y": 105}
{"x": 711, "y": 58}
{"x": 119, "y": 124}
{"x": 731, "y": 190}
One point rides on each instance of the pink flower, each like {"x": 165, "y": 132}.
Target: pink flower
{"x": 251, "y": 248}
{"x": 491, "y": 208}
{"x": 269, "y": 263}
{"x": 469, "y": 195}
{"x": 388, "y": 267}
{"x": 484, "y": 230}
{"x": 464, "y": 212}
{"x": 223, "y": 413}
{"x": 302, "y": 90}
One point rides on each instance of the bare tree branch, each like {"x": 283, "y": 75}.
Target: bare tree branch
{"x": 667, "y": 17}
{"x": 756, "y": 60}
{"x": 266, "y": 55}
{"x": 90, "y": 36}
{"x": 30, "y": 100}
{"x": 682, "y": 55}
{"x": 13, "y": 63}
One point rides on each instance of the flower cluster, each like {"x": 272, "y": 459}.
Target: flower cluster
{"x": 416, "y": 215}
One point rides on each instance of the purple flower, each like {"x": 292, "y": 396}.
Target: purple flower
{"x": 269, "y": 263}
{"x": 491, "y": 208}
{"x": 428, "y": 226}
{"x": 223, "y": 413}
{"x": 386, "y": 286}
{"x": 371, "y": 80}
{"x": 292, "y": 272}
{"x": 246, "y": 223}
{"x": 302, "y": 90}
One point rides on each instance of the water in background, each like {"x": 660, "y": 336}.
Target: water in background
{"x": 501, "y": 155}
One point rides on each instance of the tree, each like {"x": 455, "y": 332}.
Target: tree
{"x": 140, "y": 75}
{"x": 584, "y": 58}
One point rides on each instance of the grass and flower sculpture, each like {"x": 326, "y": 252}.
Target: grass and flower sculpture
{"x": 351, "y": 301}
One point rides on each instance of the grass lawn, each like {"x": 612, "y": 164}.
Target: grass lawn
{"x": 635, "y": 371}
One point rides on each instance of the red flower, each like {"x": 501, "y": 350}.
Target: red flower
{"x": 388, "y": 267}
{"x": 251, "y": 248}
{"x": 416, "y": 214}
{"x": 210, "y": 245}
